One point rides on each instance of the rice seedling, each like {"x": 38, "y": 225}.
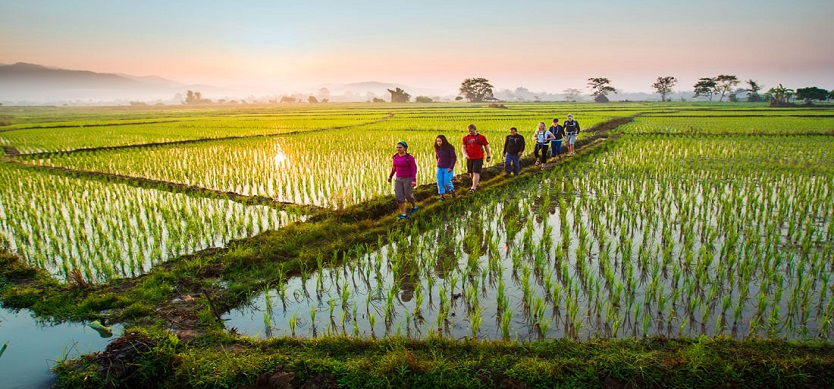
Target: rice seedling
{"x": 506, "y": 322}
{"x": 122, "y": 232}
{"x": 293, "y": 322}
{"x": 475, "y": 321}
{"x": 669, "y": 231}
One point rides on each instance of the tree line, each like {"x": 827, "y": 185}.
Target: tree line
{"x": 480, "y": 90}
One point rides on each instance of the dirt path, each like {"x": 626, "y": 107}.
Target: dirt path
{"x": 11, "y": 151}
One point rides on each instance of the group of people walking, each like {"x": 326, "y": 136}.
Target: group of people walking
{"x": 475, "y": 150}
{"x": 553, "y": 137}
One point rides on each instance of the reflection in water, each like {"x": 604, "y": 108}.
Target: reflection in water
{"x": 544, "y": 261}
{"x": 34, "y": 347}
{"x": 280, "y": 158}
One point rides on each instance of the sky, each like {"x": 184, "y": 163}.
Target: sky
{"x": 544, "y": 46}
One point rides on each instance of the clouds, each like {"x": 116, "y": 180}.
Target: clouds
{"x": 539, "y": 44}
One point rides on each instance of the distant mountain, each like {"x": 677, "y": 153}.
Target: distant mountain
{"x": 30, "y": 75}
{"x": 30, "y": 82}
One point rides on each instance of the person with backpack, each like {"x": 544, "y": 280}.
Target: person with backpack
{"x": 444, "y": 152}
{"x": 556, "y": 144}
{"x": 513, "y": 148}
{"x": 543, "y": 138}
{"x": 405, "y": 167}
{"x": 474, "y": 145}
{"x": 571, "y": 131}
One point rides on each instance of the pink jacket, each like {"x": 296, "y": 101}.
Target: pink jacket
{"x": 405, "y": 166}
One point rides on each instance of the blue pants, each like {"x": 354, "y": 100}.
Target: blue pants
{"x": 512, "y": 163}
{"x": 444, "y": 180}
{"x": 556, "y": 147}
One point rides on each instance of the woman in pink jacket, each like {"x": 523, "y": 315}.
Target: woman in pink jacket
{"x": 405, "y": 167}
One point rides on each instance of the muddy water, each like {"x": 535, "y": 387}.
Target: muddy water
{"x": 34, "y": 347}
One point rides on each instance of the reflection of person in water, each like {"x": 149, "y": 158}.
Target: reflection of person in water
{"x": 407, "y": 287}
{"x": 446, "y": 257}
{"x": 405, "y": 280}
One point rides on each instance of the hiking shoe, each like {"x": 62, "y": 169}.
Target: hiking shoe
{"x": 454, "y": 193}
{"x": 415, "y": 209}
{"x": 538, "y": 163}
{"x": 402, "y": 216}
{"x": 441, "y": 197}
{"x": 471, "y": 190}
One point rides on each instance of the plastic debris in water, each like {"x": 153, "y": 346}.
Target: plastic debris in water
{"x": 105, "y": 332}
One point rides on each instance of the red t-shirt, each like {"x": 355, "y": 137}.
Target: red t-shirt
{"x": 474, "y": 145}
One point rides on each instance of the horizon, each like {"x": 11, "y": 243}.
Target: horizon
{"x": 431, "y": 45}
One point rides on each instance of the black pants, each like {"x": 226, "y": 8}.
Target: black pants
{"x": 543, "y": 149}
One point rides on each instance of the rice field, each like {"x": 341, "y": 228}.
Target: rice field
{"x": 96, "y": 231}
{"x": 326, "y": 168}
{"x": 87, "y": 130}
{"x": 732, "y": 124}
{"x": 690, "y": 221}
{"x": 655, "y": 236}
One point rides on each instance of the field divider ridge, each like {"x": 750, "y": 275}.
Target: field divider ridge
{"x": 50, "y": 154}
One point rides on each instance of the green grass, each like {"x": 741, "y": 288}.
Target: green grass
{"x": 232, "y": 275}
{"x": 224, "y": 361}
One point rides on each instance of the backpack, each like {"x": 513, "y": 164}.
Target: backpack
{"x": 477, "y": 139}
{"x": 559, "y": 131}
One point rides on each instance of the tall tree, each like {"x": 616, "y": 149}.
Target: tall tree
{"x": 192, "y": 97}
{"x": 811, "y": 93}
{"x": 780, "y": 95}
{"x": 572, "y": 94}
{"x": 600, "y": 86}
{"x": 523, "y": 93}
{"x": 664, "y": 85}
{"x": 189, "y": 97}
{"x": 476, "y": 89}
{"x": 753, "y": 89}
{"x": 705, "y": 87}
{"x": 725, "y": 84}
{"x": 324, "y": 95}
{"x": 399, "y": 96}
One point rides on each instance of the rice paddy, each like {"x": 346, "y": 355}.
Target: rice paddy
{"x": 691, "y": 221}
{"x": 327, "y": 168}
{"x": 654, "y": 236}
{"x": 95, "y": 231}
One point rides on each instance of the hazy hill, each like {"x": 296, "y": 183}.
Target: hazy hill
{"x": 24, "y": 83}
{"x": 30, "y": 84}
{"x": 36, "y": 83}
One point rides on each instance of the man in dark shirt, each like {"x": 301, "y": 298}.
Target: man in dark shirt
{"x": 513, "y": 148}
{"x": 571, "y": 131}
{"x": 556, "y": 144}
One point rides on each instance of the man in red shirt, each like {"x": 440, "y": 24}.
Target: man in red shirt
{"x": 474, "y": 145}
